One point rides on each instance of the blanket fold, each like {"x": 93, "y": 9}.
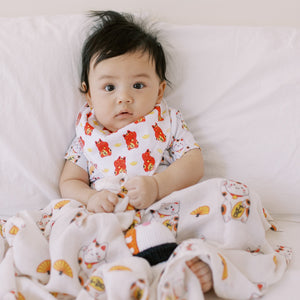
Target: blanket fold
{"x": 65, "y": 252}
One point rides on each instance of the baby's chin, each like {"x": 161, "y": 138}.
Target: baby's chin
{"x": 124, "y": 120}
{"x": 119, "y": 125}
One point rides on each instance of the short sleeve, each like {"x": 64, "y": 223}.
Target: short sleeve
{"x": 75, "y": 154}
{"x": 182, "y": 138}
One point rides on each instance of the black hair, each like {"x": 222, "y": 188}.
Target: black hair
{"x": 116, "y": 34}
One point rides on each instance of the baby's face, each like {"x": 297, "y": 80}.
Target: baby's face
{"x": 123, "y": 89}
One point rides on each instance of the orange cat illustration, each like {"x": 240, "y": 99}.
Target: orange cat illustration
{"x": 159, "y": 117}
{"x": 131, "y": 141}
{"x": 103, "y": 148}
{"x": 149, "y": 161}
{"x": 142, "y": 119}
{"x": 88, "y": 128}
{"x": 159, "y": 135}
{"x": 120, "y": 165}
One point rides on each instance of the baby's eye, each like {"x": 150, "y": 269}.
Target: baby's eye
{"x": 109, "y": 88}
{"x": 138, "y": 85}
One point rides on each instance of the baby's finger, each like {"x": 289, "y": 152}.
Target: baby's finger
{"x": 132, "y": 195}
{"x": 131, "y": 183}
{"x": 107, "y": 206}
{"x": 135, "y": 203}
{"x": 128, "y": 185}
{"x": 98, "y": 209}
{"x": 113, "y": 199}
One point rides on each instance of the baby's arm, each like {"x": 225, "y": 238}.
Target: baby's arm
{"x": 184, "y": 172}
{"x": 74, "y": 184}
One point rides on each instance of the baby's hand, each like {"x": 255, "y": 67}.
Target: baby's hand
{"x": 103, "y": 201}
{"x": 142, "y": 191}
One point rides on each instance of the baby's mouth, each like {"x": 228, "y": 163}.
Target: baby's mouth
{"x": 123, "y": 114}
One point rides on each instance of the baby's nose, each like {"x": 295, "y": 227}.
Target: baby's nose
{"x": 124, "y": 97}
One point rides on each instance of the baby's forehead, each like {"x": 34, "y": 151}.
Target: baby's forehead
{"x": 99, "y": 57}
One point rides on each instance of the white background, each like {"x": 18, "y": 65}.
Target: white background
{"x": 208, "y": 12}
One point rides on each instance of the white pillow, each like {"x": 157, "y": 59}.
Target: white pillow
{"x": 40, "y": 67}
{"x": 238, "y": 89}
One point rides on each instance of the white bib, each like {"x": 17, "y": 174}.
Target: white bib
{"x": 135, "y": 149}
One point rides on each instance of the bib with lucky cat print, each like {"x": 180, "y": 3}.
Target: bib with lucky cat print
{"x": 135, "y": 149}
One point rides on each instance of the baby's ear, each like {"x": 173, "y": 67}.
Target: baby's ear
{"x": 87, "y": 94}
{"x": 161, "y": 91}
{"x": 83, "y": 87}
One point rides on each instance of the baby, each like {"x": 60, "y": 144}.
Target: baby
{"x": 127, "y": 127}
